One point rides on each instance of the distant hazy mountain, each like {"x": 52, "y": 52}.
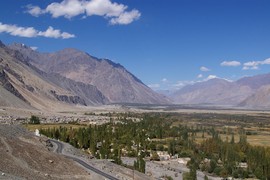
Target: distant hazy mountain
{"x": 111, "y": 79}
{"x": 260, "y": 99}
{"x": 255, "y": 82}
{"x": 253, "y": 92}
{"x": 214, "y": 91}
{"x": 167, "y": 92}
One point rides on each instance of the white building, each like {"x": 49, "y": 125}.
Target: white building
{"x": 37, "y": 132}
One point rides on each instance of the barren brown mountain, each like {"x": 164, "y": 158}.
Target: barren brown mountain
{"x": 111, "y": 79}
{"x": 23, "y": 85}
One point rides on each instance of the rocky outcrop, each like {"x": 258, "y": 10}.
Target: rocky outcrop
{"x": 88, "y": 93}
{"x": 5, "y": 82}
{"x": 69, "y": 99}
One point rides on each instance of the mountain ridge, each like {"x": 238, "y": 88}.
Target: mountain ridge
{"x": 25, "y": 86}
{"x": 245, "y": 92}
{"x": 116, "y": 83}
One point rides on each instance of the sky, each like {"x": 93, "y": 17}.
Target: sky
{"x": 165, "y": 43}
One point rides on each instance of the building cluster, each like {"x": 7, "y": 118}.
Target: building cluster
{"x": 5, "y": 119}
{"x": 76, "y": 119}
{"x": 165, "y": 156}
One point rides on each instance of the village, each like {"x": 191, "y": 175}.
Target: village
{"x": 56, "y": 119}
{"x": 159, "y": 162}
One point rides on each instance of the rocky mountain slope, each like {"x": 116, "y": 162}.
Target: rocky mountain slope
{"x": 111, "y": 79}
{"x": 255, "y": 82}
{"x": 88, "y": 93}
{"x": 260, "y": 99}
{"x": 248, "y": 92}
{"x": 23, "y": 85}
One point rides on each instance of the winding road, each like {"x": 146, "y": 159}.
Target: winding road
{"x": 59, "y": 150}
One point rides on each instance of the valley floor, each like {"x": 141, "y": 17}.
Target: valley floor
{"x": 25, "y": 156}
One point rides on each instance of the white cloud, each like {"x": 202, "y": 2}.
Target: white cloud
{"x": 266, "y": 61}
{"x": 254, "y": 65}
{"x": 164, "y": 80}
{"x": 210, "y": 77}
{"x": 55, "y": 33}
{"x": 230, "y": 63}
{"x": 116, "y": 13}
{"x": 250, "y": 68}
{"x": 34, "y": 10}
{"x": 199, "y": 76}
{"x": 203, "y": 68}
{"x": 34, "y": 48}
{"x": 216, "y": 77}
{"x": 104, "y": 8}
{"x": 18, "y": 31}
{"x": 180, "y": 84}
{"x": 29, "y": 32}
{"x": 126, "y": 17}
{"x": 154, "y": 86}
{"x": 251, "y": 65}
{"x": 67, "y": 8}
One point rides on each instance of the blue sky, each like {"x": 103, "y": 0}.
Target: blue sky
{"x": 165, "y": 43}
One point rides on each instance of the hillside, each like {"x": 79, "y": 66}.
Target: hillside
{"x": 34, "y": 160}
{"x": 23, "y": 85}
{"x": 260, "y": 99}
{"x": 111, "y": 79}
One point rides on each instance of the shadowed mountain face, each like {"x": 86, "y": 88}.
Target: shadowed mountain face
{"x": 253, "y": 92}
{"x": 111, "y": 79}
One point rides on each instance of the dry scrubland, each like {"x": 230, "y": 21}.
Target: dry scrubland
{"x": 24, "y": 156}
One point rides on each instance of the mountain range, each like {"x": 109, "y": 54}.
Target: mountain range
{"x": 250, "y": 92}
{"x": 29, "y": 78}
